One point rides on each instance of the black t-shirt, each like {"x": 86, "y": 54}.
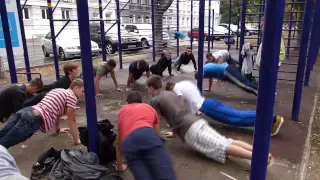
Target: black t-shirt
{"x": 137, "y": 72}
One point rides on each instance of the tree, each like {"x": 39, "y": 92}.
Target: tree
{"x": 160, "y": 6}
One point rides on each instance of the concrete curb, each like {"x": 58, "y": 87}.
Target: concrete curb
{"x": 306, "y": 151}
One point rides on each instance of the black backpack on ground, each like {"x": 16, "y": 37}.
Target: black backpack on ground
{"x": 106, "y": 138}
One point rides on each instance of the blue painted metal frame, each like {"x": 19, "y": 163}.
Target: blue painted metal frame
{"x": 53, "y": 40}
{"x": 119, "y": 33}
{"x": 102, "y": 36}
{"x": 229, "y": 22}
{"x": 201, "y": 44}
{"x": 238, "y": 22}
{"x": 24, "y": 4}
{"x": 178, "y": 27}
{"x": 191, "y": 25}
{"x": 24, "y": 41}
{"x": 290, "y": 28}
{"x": 242, "y": 32}
{"x": 302, "y": 59}
{"x": 209, "y": 20}
{"x": 63, "y": 27}
{"x": 153, "y": 35}
{"x": 87, "y": 69}
{"x": 314, "y": 42}
{"x": 7, "y": 39}
{"x": 55, "y": 6}
{"x": 106, "y": 5}
{"x": 267, "y": 87}
{"x": 212, "y": 29}
{"x": 259, "y": 25}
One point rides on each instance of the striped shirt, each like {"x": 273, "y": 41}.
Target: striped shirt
{"x": 54, "y": 105}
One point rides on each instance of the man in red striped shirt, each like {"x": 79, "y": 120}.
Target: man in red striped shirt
{"x": 45, "y": 116}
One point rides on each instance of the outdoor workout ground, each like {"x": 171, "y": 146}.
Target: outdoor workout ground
{"x": 287, "y": 146}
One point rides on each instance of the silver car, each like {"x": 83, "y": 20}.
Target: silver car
{"x": 68, "y": 45}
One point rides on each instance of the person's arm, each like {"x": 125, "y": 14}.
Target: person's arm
{"x": 129, "y": 79}
{"x": 119, "y": 153}
{"x": 57, "y": 125}
{"x": 97, "y": 83}
{"x": 194, "y": 62}
{"x": 154, "y": 103}
{"x": 210, "y": 84}
{"x": 148, "y": 74}
{"x": 113, "y": 75}
{"x": 71, "y": 114}
{"x": 182, "y": 99}
{"x": 169, "y": 68}
{"x": 156, "y": 125}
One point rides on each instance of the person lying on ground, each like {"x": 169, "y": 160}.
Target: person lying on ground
{"x": 194, "y": 130}
{"x": 184, "y": 59}
{"x": 225, "y": 72}
{"x": 71, "y": 72}
{"x": 164, "y": 62}
{"x": 13, "y": 96}
{"x": 140, "y": 142}
{"x": 136, "y": 69}
{"x": 103, "y": 69}
{"x": 8, "y": 167}
{"x": 224, "y": 56}
{"x": 45, "y": 116}
{"x": 216, "y": 110}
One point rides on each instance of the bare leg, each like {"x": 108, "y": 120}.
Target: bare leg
{"x": 244, "y": 145}
{"x": 237, "y": 151}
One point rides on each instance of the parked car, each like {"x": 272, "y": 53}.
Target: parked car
{"x": 218, "y": 33}
{"x": 67, "y": 43}
{"x": 251, "y": 30}
{"x": 129, "y": 41}
{"x": 233, "y": 28}
{"x": 144, "y": 31}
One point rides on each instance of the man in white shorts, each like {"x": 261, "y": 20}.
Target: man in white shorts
{"x": 194, "y": 130}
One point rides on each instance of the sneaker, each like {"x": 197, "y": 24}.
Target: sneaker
{"x": 278, "y": 121}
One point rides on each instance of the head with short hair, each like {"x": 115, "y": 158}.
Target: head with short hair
{"x": 154, "y": 84}
{"x": 77, "y": 86}
{"x": 210, "y": 58}
{"x": 168, "y": 55}
{"x": 142, "y": 64}
{"x": 34, "y": 86}
{"x": 134, "y": 97}
{"x": 111, "y": 64}
{"x": 189, "y": 50}
{"x": 170, "y": 86}
{"x": 71, "y": 70}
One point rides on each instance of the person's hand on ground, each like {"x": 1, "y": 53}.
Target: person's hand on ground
{"x": 119, "y": 89}
{"x": 77, "y": 107}
{"x": 199, "y": 113}
{"x": 99, "y": 95}
{"x": 77, "y": 142}
{"x": 171, "y": 75}
{"x": 64, "y": 130}
{"x": 64, "y": 118}
{"x": 128, "y": 89}
{"x": 120, "y": 167}
{"x": 169, "y": 134}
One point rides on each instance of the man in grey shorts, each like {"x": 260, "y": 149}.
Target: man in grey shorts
{"x": 192, "y": 129}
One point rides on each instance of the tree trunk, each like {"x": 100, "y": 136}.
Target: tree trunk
{"x": 160, "y": 6}
{"x": 2, "y": 69}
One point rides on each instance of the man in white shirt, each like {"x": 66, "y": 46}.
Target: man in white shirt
{"x": 190, "y": 94}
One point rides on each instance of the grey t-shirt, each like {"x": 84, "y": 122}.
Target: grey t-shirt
{"x": 8, "y": 166}
{"x": 178, "y": 116}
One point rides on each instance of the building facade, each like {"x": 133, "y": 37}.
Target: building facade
{"x": 36, "y": 19}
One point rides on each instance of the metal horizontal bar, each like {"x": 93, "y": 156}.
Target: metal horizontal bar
{"x": 252, "y": 37}
{"x": 30, "y": 73}
{"x": 293, "y": 64}
{"x": 89, "y": 20}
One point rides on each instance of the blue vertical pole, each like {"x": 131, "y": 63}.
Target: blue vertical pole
{"x": 102, "y": 37}
{"x": 229, "y": 22}
{"x": 243, "y": 29}
{"x": 178, "y": 27}
{"x": 259, "y": 26}
{"x": 238, "y": 21}
{"x": 119, "y": 33}
{"x": 153, "y": 35}
{"x": 290, "y": 27}
{"x": 8, "y": 43}
{"x": 302, "y": 59}
{"x": 200, "y": 44}
{"x": 53, "y": 40}
{"x": 87, "y": 69}
{"x": 191, "y": 24}
{"x": 24, "y": 41}
{"x": 209, "y": 20}
{"x": 314, "y": 42}
{"x": 267, "y": 86}
{"x": 212, "y": 32}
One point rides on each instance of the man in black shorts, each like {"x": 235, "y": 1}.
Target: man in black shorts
{"x": 136, "y": 69}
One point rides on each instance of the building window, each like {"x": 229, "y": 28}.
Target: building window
{"x": 139, "y": 2}
{"x": 147, "y": 20}
{"x": 26, "y": 13}
{"x": 44, "y": 13}
{"x": 66, "y": 13}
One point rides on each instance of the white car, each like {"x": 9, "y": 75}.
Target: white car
{"x": 145, "y": 33}
{"x": 67, "y": 43}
